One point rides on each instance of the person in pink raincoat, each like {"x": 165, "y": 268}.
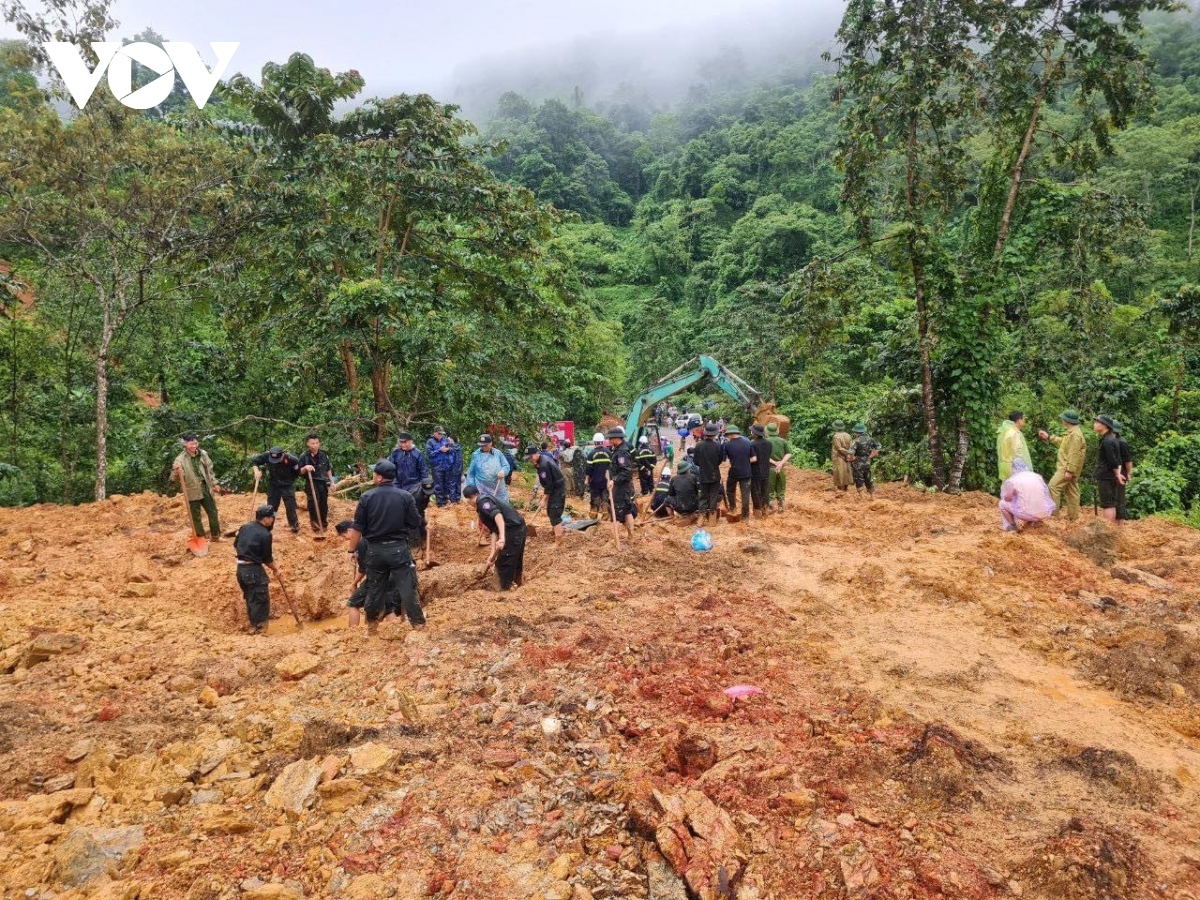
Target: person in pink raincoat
{"x": 1024, "y": 497}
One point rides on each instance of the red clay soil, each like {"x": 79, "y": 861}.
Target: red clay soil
{"x": 947, "y": 711}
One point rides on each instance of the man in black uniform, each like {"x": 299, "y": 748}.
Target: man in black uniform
{"x": 760, "y": 470}
{"x": 508, "y": 536}
{"x": 387, "y": 518}
{"x": 740, "y": 453}
{"x": 598, "y": 462}
{"x": 1126, "y": 468}
{"x": 282, "y": 471}
{"x": 662, "y": 492}
{"x": 1110, "y": 468}
{"x": 683, "y": 498}
{"x": 707, "y": 460}
{"x": 252, "y": 545}
{"x": 554, "y": 488}
{"x": 645, "y": 460}
{"x": 315, "y": 462}
{"x": 621, "y": 477}
{"x": 358, "y": 599}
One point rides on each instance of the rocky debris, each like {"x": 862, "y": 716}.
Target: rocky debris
{"x": 295, "y": 787}
{"x": 1087, "y": 861}
{"x": 664, "y": 884}
{"x": 859, "y": 875}
{"x": 45, "y": 647}
{"x": 371, "y": 757}
{"x": 272, "y": 891}
{"x": 1138, "y": 576}
{"x": 342, "y": 794}
{"x": 700, "y": 841}
{"x": 295, "y": 666}
{"x": 224, "y": 820}
{"x": 79, "y": 750}
{"x": 86, "y": 853}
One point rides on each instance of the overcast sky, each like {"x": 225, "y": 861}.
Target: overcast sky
{"x": 402, "y": 45}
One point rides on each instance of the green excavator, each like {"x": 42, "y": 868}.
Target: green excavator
{"x": 691, "y": 373}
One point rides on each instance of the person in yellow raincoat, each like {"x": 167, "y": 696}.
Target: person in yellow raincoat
{"x": 842, "y": 477}
{"x": 1010, "y": 444}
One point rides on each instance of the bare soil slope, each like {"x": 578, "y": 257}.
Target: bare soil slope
{"x": 946, "y": 711}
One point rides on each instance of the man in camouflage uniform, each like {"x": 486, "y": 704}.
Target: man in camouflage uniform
{"x": 1068, "y": 470}
{"x": 864, "y": 449}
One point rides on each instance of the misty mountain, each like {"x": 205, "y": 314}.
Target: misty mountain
{"x": 657, "y": 68}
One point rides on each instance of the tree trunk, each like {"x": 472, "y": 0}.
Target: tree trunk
{"x": 381, "y": 377}
{"x": 1179, "y": 372}
{"x": 351, "y": 370}
{"x": 960, "y": 455}
{"x": 1192, "y": 225}
{"x": 102, "y": 418}
{"x": 928, "y": 398}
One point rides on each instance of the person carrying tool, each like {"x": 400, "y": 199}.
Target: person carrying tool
{"x": 620, "y": 475}
{"x": 842, "y": 476}
{"x": 194, "y": 471}
{"x": 252, "y": 546}
{"x": 645, "y": 460}
{"x": 508, "y": 536}
{"x": 440, "y": 450}
{"x": 598, "y": 463}
{"x": 282, "y": 471}
{"x": 318, "y": 476}
{"x": 740, "y": 454}
{"x": 760, "y": 471}
{"x": 554, "y": 488}
{"x": 488, "y": 470}
{"x": 1068, "y": 468}
{"x": 387, "y": 519}
{"x": 862, "y": 452}
{"x": 358, "y": 598}
{"x": 708, "y": 456}
{"x": 781, "y": 454}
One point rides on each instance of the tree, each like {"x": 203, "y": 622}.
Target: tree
{"x": 124, "y": 208}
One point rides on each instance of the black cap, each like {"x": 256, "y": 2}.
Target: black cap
{"x": 758, "y": 430}
{"x": 1107, "y": 422}
{"x": 266, "y": 511}
{"x": 385, "y": 467}
{"x": 404, "y": 436}
{"x": 532, "y": 450}
{"x": 438, "y": 429}
{"x": 275, "y": 453}
{"x": 711, "y": 429}
{"x": 485, "y": 439}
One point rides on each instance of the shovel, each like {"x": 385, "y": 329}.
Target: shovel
{"x": 312, "y": 492}
{"x": 197, "y": 545}
{"x": 612, "y": 508}
{"x": 429, "y": 562}
{"x": 291, "y": 605}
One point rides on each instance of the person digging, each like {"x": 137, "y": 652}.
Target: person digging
{"x": 507, "y": 527}
{"x": 358, "y": 598}
{"x": 252, "y": 545}
{"x": 554, "y": 489}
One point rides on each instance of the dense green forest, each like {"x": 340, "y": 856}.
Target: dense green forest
{"x": 943, "y": 221}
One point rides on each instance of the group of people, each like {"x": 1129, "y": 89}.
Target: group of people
{"x": 1025, "y": 497}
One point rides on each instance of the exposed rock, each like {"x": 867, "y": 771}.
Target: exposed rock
{"x": 209, "y": 698}
{"x": 859, "y": 874}
{"x": 79, "y": 750}
{"x": 272, "y": 892}
{"x": 47, "y": 646}
{"x": 342, "y": 794}
{"x": 293, "y": 790}
{"x": 222, "y": 820}
{"x": 369, "y": 887}
{"x": 89, "y": 852}
{"x": 295, "y": 666}
{"x": 372, "y": 757}
{"x": 664, "y": 883}
{"x": 1137, "y": 576}
{"x": 142, "y": 589}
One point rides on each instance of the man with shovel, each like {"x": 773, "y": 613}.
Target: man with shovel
{"x": 282, "y": 472}
{"x": 317, "y": 470}
{"x": 253, "y": 548}
{"x": 621, "y": 478}
{"x": 194, "y": 471}
{"x": 387, "y": 519}
{"x": 508, "y": 536}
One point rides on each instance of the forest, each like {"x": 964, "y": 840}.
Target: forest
{"x": 964, "y": 209}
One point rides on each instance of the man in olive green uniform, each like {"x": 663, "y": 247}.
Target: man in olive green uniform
{"x": 781, "y": 454}
{"x": 1068, "y": 470}
{"x": 842, "y": 477}
{"x": 194, "y": 472}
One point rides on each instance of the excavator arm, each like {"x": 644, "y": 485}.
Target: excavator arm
{"x": 690, "y": 373}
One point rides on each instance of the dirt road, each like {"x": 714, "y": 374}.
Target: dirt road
{"x": 946, "y": 711}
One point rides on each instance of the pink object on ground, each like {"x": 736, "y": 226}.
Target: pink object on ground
{"x": 741, "y": 691}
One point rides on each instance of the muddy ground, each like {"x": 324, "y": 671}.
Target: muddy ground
{"x": 946, "y": 711}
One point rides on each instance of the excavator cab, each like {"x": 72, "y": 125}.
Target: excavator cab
{"x": 650, "y": 431}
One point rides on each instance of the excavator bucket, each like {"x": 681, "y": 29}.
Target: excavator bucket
{"x": 766, "y": 414}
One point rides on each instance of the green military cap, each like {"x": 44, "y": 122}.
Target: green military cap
{"x": 732, "y": 429}
{"x": 860, "y": 428}
{"x": 1070, "y": 417}
{"x": 772, "y": 428}
{"x": 1117, "y": 426}
{"x": 839, "y": 425}
{"x": 683, "y": 466}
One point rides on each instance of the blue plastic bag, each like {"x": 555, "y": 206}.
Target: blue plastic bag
{"x": 702, "y": 541}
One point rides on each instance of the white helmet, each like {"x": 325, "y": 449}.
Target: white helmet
{"x": 643, "y": 440}
{"x": 598, "y": 438}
